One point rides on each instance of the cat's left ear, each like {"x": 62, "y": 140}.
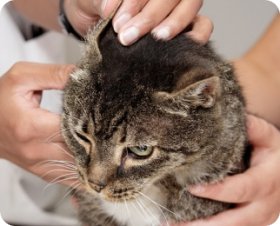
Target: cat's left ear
{"x": 93, "y": 37}
{"x": 203, "y": 93}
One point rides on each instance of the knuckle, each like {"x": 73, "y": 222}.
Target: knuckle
{"x": 134, "y": 6}
{"x": 16, "y": 70}
{"x": 147, "y": 20}
{"x": 208, "y": 23}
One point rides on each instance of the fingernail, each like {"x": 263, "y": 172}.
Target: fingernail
{"x": 121, "y": 20}
{"x": 129, "y": 35}
{"x": 162, "y": 33}
{"x": 197, "y": 189}
{"x": 103, "y": 5}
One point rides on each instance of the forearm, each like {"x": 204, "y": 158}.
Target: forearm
{"x": 40, "y": 12}
{"x": 259, "y": 75}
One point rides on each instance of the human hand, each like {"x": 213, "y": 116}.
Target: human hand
{"x": 30, "y": 136}
{"x": 136, "y": 18}
{"x": 257, "y": 191}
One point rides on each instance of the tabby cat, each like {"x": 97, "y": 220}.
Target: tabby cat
{"x": 145, "y": 122}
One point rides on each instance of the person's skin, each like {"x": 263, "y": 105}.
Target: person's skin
{"x": 30, "y": 135}
{"x": 257, "y": 191}
{"x": 259, "y": 74}
{"x": 134, "y": 18}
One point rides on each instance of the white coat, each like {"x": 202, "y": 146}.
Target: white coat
{"x": 23, "y": 200}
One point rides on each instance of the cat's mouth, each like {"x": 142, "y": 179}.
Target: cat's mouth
{"x": 119, "y": 194}
{"x": 113, "y": 194}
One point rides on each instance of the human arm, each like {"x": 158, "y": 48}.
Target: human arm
{"x": 30, "y": 136}
{"x": 259, "y": 74}
{"x": 134, "y": 18}
{"x": 256, "y": 191}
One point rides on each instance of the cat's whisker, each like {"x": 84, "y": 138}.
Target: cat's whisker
{"x": 73, "y": 117}
{"x": 58, "y": 166}
{"x": 51, "y": 137}
{"x": 142, "y": 208}
{"x": 64, "y": 177}
{"x": 155, "y": 203}
{"x": 149, "y": 211}
{"x": 125, "y": 203}
{"x": 72, "y": 188}
{"x": 60, "y": 179}
{"x": 165, "y": 219}
{"x": 57, "y": 170}
{"x": 58, "y": 162}
{"x": 64, "y": 151}
{"x": 82, "y": 106}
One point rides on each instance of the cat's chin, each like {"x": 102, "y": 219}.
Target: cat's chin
{"x": 118, "y": 200}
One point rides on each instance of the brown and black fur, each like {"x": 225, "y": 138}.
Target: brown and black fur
{"x": 176, "y": 95}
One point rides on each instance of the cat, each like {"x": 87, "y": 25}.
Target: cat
{"x": 145, "y": 122}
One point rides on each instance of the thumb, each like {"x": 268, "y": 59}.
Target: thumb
{"x": 109, "y": 6}
{"x": 35, "y": 76}
{"x": 262, "y": 133}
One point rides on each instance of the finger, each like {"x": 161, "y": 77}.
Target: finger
{"x": 46, "y": 126}
{"x": 144, "y": 21}
{"x": 202, "y": 29}
{"x": 261, "y": 133}
{"x": 37, "y": 76}
{"x": 57, "y": 151}
{"x": 245, "y": 215}
{"x": 235, "y": 189}
{"x": 126, "y": 12}
{"x": 109, "y": 6}
{"x": 58, "y": 165}
{"x": 178, "y": 20}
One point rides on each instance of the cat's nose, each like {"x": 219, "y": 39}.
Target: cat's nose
{"x": 97, "y": 186}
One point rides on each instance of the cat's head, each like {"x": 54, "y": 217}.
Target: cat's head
{"x": 134, "y": 114}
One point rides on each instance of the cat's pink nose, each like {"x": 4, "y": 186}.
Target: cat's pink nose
{"x": 97, "y": 186}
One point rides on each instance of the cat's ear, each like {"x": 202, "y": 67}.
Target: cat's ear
{"x": 203, "y": 93}
{"x": 93, "y": 37}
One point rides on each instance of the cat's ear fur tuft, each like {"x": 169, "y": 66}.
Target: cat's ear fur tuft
{"x": 93, "y": 37}
{"x": 203, "y": 93}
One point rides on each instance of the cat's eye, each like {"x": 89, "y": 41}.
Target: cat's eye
{"x": 142, "y": 151}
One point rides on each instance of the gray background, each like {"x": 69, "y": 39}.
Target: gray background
{"x": 238, "y": 23}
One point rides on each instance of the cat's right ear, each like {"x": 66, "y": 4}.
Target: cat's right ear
{"x": 203, "y": 94}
